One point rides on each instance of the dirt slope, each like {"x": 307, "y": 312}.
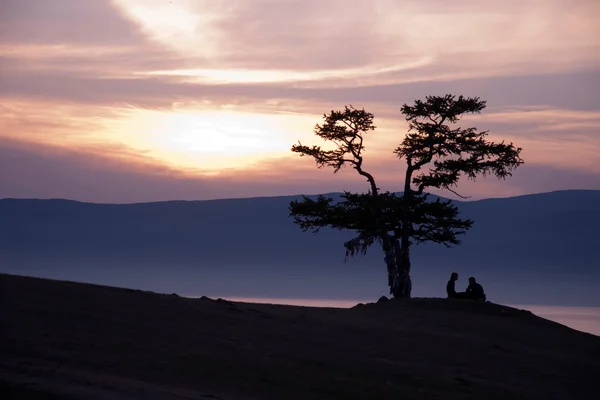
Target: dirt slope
{"x": 81, "y": 341}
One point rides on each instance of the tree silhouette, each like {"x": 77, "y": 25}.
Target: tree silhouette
{"x": 396, "y": 222}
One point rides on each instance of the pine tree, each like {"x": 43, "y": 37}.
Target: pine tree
{"x": 437, "y": 154}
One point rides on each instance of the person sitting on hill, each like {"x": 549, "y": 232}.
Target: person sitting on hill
{"x": 474, "y": 290}
{"x": 450, "y": 288}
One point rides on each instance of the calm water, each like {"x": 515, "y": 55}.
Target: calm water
{"x": 585, "y": 319}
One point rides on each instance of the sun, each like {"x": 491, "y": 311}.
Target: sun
{"x": 212, "y": 140}
{"x": 234, "y": 134}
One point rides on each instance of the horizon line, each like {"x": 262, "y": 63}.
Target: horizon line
{"x": 282, "y": 196}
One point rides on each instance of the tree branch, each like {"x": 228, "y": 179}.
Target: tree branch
{"x": 462, "y": 197}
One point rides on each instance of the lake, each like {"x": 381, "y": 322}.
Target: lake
{"x": 585, "y": 319}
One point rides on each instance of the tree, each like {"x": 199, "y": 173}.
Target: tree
{"x": 437, "y": 154}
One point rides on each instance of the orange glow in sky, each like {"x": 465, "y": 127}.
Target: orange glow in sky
{"x": 213, "y": 94}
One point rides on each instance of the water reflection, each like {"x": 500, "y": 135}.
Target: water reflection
{"x": 585, "y": 319}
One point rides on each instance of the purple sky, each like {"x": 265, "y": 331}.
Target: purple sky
{"x": 143, "y": 100}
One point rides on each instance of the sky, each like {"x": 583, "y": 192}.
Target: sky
{"x": 146, "y": 100}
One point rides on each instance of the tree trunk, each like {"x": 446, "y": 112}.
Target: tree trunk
{"x": 390, "y": 263}
{"x": 404, "y": 274}
{"x": 404, "y": 286}
{"x": 397, "y": 256}
{"x": 398, "y": 266}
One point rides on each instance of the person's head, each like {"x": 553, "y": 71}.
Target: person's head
{"x": 454, "y": 276}
{"x": 472, "y": 280}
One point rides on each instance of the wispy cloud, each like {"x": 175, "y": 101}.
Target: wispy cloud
{"x": 74, "y": 22}
{"x": 203, "y": 90}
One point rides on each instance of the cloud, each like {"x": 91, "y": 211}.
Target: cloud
{"x": 325, "y": 44}
{"x": 66, "y": 62}
{"x": 563, "y": 138}
{"x": 117, "y": 174}
{"x": 202, "y": 141}
{"x": 89, "y": 22}
{"x": 87, "y": 39}
{"x": 175, "y": 85}
{"x": 565, "y": 90}
{"x": 467, "y": 39}
{"x": 154, "y": 52}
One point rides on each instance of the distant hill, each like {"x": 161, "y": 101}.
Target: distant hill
{"x": 534, "y": 248}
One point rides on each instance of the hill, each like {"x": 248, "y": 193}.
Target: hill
{"x": 538, "y": 248}
{"x": 83, "y": 341}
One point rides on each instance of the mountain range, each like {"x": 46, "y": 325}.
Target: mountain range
{"x": 531, "y": 249}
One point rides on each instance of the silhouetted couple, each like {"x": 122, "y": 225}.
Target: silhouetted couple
{"x": 474, "y": 290}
